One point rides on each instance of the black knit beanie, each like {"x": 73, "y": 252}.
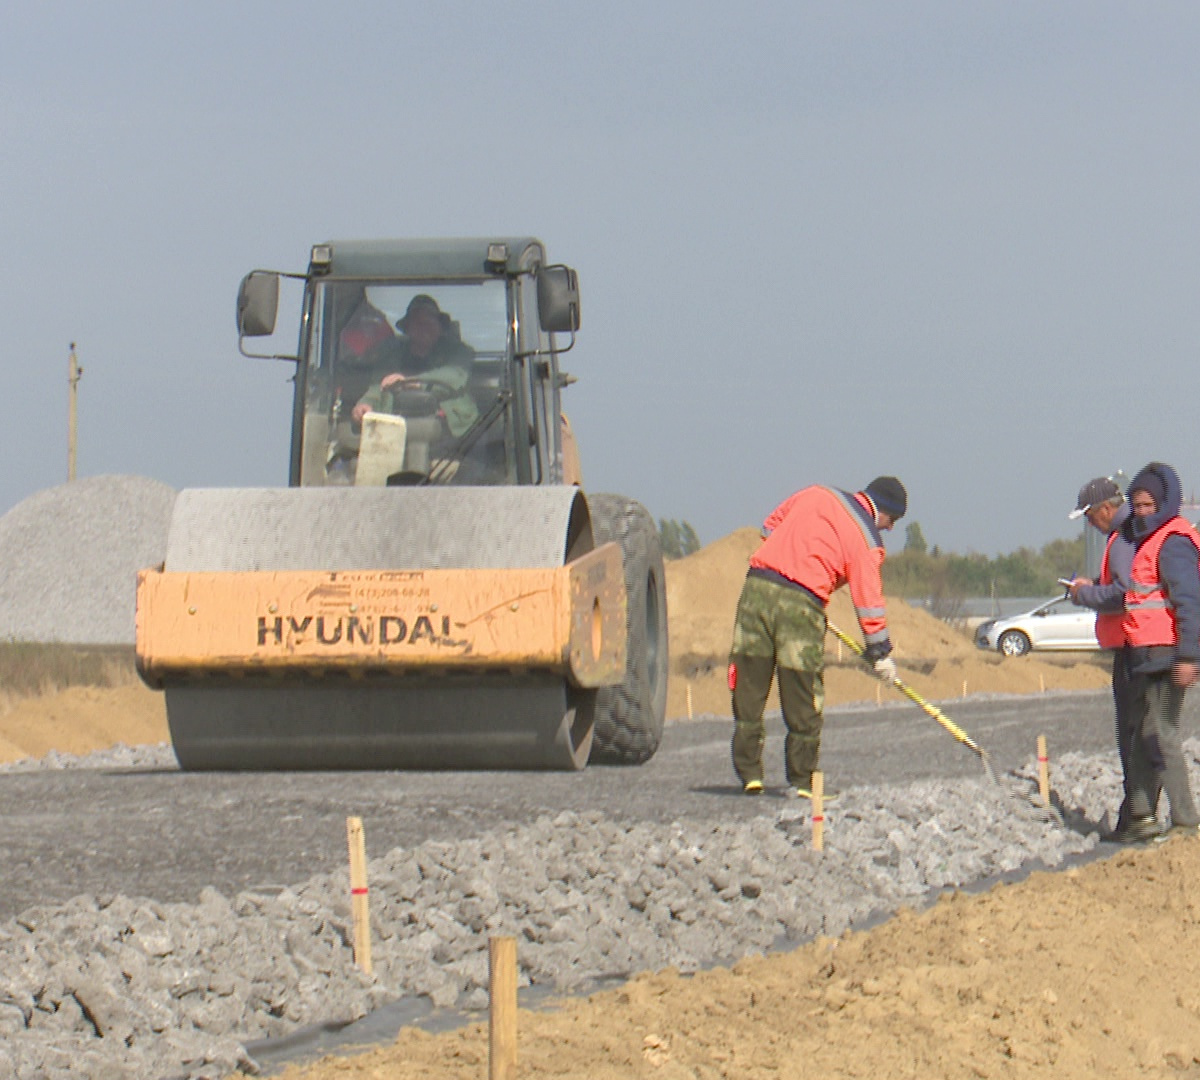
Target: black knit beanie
{"x": 889, "y": 496}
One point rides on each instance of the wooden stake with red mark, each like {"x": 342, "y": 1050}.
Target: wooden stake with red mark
{"x": 1043, "y": 770}
{"x": 358, "y": 893}
{"x": 818, "y": 811}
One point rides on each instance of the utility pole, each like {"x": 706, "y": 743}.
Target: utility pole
{"x": 74, "y": 374}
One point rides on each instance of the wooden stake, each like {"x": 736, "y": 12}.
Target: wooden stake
{"x": 689, "y": 700}
{"x": 839, "y": 651}
{"x": 878, "y": 694}
{"x": 358, "y": 893}
{"x": 502, "y": 1012}
{"x": 818, "y": 811}
{"x": 1042, "y": 681}
{"x": 1043, "y": 770}
{"x": 964, "y": 687}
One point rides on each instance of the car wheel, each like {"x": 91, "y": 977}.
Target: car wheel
{"x": 1013, "y": 643}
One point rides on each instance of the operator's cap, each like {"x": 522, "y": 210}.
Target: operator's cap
{"x": 1092, "y": 494}
{"x": 888, "y": 495}
{"x": 423, "y": 302}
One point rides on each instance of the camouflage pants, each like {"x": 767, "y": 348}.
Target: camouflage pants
{"x": 780, "y": 632}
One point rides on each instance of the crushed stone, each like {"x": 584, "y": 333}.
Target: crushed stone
{"x": 117, "y": 985}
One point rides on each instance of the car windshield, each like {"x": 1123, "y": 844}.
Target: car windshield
{"x": 406, "y": 383}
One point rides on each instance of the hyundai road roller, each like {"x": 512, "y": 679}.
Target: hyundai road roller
{"x": 433, "y": 590}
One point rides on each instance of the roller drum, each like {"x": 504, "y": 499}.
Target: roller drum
{"x": 518, "y": 719}
{"x": 489, "y": 723}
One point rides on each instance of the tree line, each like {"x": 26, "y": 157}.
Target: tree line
{"x": 920, "y": 571}
{"x": 677, "y": 538}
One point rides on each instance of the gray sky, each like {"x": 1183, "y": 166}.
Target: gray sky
{"x": 816, "y": 242}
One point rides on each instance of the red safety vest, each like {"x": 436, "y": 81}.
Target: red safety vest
{"x": 1149, "y": 614}
{"x": 1109, "y": 631}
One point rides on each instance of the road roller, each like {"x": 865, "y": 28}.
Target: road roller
{"x": 434, "y": 589}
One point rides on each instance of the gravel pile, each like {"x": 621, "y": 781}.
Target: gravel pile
{"x": 71, "y": 555}
{"x": 114, "y": 986}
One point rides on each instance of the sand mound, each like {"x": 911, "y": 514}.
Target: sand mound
{"x": 934, "y": 658}
{"x": 81, "y": 719}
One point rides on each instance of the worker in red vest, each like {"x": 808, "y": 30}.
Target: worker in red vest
{"x": 1162, "y": 630}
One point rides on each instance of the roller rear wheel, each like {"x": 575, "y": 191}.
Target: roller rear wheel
{"x": 629, "y": 717}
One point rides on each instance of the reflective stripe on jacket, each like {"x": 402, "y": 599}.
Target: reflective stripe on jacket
{"x": 1149, "y": 614}
{"x": 822, "y": 538}
{"x": 1110, "y": 632}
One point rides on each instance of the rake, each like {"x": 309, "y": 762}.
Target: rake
{"x": 935, "y": 713}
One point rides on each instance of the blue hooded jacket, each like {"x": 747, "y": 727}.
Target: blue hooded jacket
{"x": 1178, "y": 565}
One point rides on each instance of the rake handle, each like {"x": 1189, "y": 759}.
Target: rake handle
{"x": 931, "y": 710}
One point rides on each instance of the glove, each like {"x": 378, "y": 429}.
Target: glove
{"x": 886, "y": 669}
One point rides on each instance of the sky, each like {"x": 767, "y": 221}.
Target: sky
{"x": 816, "y": 243}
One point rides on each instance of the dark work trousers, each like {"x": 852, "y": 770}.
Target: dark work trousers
{"x": 1156, "y": 759}
{"x": 780, "y": 632}
{"x": 1128, "y": 700}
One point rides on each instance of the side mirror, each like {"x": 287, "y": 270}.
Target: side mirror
{"x": 558, "y": 299}
{"x": 258, "y": 304}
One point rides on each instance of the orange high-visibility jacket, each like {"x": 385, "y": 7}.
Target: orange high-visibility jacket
{"x": 822, "y": 538}
{"x": 1149, "y": 614}
{"x": 1110, "y": 632}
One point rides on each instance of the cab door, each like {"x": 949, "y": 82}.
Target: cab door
{"x": 537, "y": 369}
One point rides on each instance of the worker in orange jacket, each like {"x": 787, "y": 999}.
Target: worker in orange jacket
{"x": 1161, "y": 625}
{"x": 814, "y": 542}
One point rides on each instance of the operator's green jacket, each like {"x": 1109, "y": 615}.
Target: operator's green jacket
{"x": 449, "y": 364}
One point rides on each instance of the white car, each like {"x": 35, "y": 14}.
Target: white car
{"x": 1056, "y": 624}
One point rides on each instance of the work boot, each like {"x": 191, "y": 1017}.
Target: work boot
{"x": 828, "y": 795}
{"x": 1136, "y": 830}
{"x": 752, "y": 787}
{"x": 1178, "y": 832}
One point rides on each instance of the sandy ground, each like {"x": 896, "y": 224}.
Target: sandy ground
{"x": 81, "y": 719}
{"x": 1088, "y": 973}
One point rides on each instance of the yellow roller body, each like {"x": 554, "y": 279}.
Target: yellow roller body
{"x": 567, "y": 620}
{"x": 383, "y": 628}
